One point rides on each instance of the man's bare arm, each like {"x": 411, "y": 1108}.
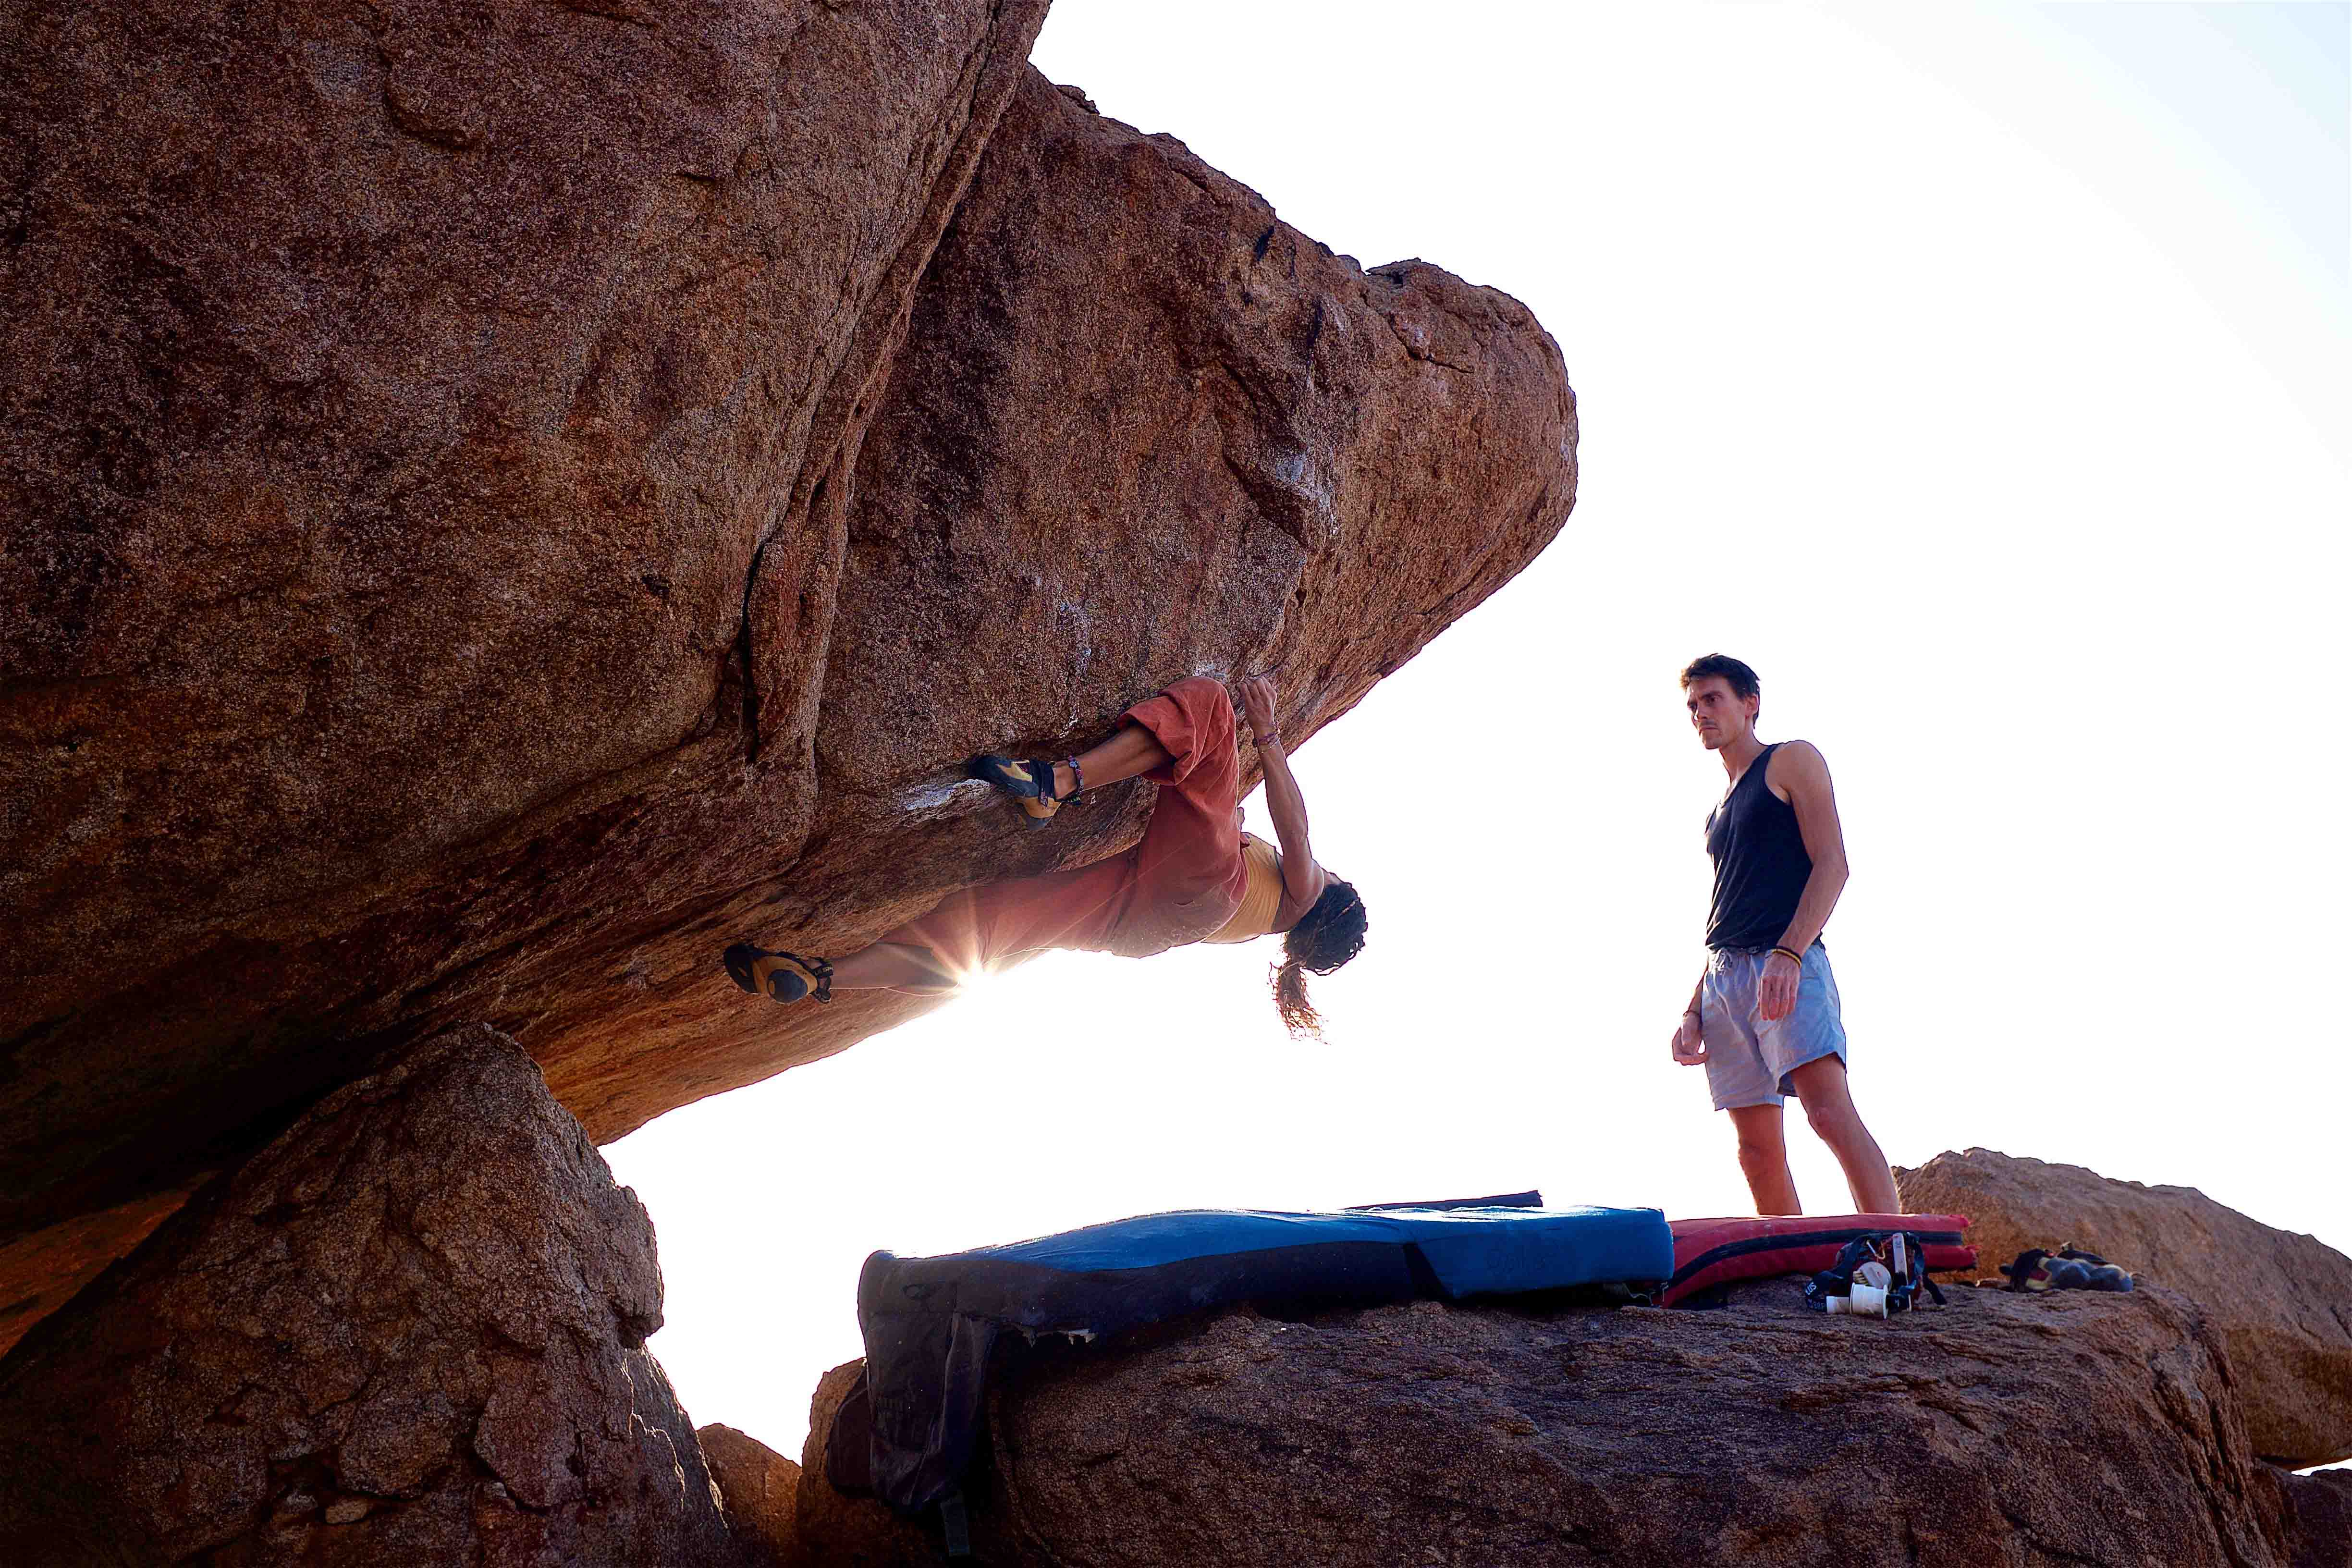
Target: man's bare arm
{"x": 1689, "y": 1043}
{"x": 1798, "y": 772}
{"x": 1302, "y": 879}
{"x": 1806, "y": 778}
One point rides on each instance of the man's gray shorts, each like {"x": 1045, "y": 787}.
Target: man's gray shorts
{"x": 1748, "y": 1060}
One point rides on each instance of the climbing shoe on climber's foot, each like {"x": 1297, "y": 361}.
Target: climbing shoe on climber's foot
{"x": 1029, "y": 781}
{"x": 786, "y": 976}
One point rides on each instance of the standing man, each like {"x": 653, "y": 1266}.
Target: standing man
{"x": 1763, "y": 1020}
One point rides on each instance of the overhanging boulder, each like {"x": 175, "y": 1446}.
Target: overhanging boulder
{"x": 599, "y": 522}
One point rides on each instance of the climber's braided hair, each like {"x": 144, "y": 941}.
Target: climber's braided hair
{"x": 1326, "y": 937}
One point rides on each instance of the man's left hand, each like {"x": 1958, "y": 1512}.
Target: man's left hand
{"x": 1776, "y": 991}
{"x": 1258, "y": 700}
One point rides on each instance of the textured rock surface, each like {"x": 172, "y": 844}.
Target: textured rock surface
{"x": 2317, "y": 1513}
{"x": 2077, "y": 1429}
{"x": 393, "y": 404}
{"x": 1139, "y": 429}
{"x": 2281, "y": 1302}
{"x": 484, "y": 599}
{"x": 761, "y": 1489}
{"x": 411, "y": 1330}
{"x": 43, "y": 1270}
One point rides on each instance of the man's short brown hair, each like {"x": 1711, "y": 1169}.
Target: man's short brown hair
{"x": 1742, "y": 680}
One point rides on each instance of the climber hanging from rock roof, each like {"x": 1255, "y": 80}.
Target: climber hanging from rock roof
{"x": 1195, "y": 875}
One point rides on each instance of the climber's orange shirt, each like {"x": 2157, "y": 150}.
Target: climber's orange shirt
{"x": 1262, "y": 899}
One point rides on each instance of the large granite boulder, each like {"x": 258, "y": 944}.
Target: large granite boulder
{"x": 2281, "y": 1302}
{"x": 762, "y": 1490}
{"x": 2003, "y": 1430}
{"x": 411, "y": 1330}
{"x": 1139, "y": 429}
{"x": 394, "y": 401}
{"x": 475, "y": 551}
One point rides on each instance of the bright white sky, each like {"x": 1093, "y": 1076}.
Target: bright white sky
{"x": 1982, "y": 374}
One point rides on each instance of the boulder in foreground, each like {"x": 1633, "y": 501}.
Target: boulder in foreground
{"x": 762, "y": 1490}
{"x": 412, "y": 1329}
{"x": 2281, "y": 1302}
{"x": 2005, "y": 1430}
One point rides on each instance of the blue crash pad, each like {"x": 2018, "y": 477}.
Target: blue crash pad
{"x": 1472, "y": 1251}
{"x": 930, "y": 1322}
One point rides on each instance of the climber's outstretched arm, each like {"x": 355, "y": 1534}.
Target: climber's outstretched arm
{"x": 1302, "y": 879}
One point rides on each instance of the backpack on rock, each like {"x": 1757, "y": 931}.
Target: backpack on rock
{"x": 1875, "y": 1276}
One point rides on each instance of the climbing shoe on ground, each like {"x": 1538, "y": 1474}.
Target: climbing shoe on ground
{"x": 2028, "y": 1272}
{"x": 2038, "y": 1269}
{"x": 2098, "y": 1274}
{"x": 1029, "y": 781}
{"x": 786, "y": 976}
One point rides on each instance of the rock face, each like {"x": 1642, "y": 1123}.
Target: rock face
{"x": 761, "y": 1489}
{"x": 2281, "y": 1302}
{"x": 43, "y": 1270}
{"x": 1139, "y": 429}
{"x": 393, "y": 401}
{"x": 2084, "y": 1429}
{"x": 2317, "y": 1511}
{"x": 596, "y": 520}
{"x": 412, "y": 1329}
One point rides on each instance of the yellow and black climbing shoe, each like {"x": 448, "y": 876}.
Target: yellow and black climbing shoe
{"x": 2098, "y": 1274}
{"x": 2068, "y": 1268}
{"x": 1030, "y": 783}
{"x": 786, "y": 976}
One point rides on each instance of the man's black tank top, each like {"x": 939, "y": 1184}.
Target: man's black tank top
{"x": 1761, "y": 864}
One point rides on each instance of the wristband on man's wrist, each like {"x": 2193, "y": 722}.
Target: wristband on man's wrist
{"x": 1790, "y": 952}
{"x": 1270, "y": 740}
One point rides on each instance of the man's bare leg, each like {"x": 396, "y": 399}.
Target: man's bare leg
{"x": 1130, "y": 751}
{"x": 891, "y": 966}
{"x": 1764, "y": 1158}
{"x": 901, "y": 966}
{"x": 1821, "y": 1085}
